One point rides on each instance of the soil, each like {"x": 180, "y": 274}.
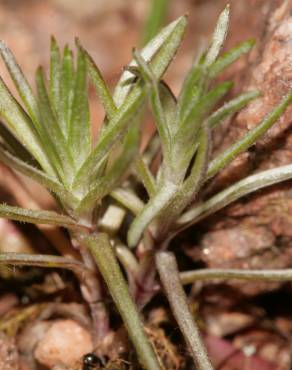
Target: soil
{"x": 246, "y": 326}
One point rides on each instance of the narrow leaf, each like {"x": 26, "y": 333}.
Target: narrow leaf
{"x": 59, "y": 153}
{"x": 112, "y": 179}
{"x": 153, "y": 208}
{"x": 101, "y": 88}
{"x": 189, "y": 189}
{"x": 145, "y": 175}
{"x": 164, "y": 46}
{"x": 67, "y": 90}
{"x": 114, "y": 131}
{"x": 160, "y": 118}
{"x": 249, "y": 139}
{"x": 185, "y": 137}
{"x": 238, "y": 190}
{"x": 230, "y": 57}
{"x": 37, "y": 217}
{"x": 192, "y": 89}
{"x": 22, "y": 127}
{"x": 231, "y": 107}
{"x": 37, "y": 175}
{"x": 55, "y": 76}
{"x": 20, "y": 82}
{"x": 169, "y": 106}
{"x": 218, "y": 37}
{"x": 80, "y": 130}
{"x": 14, "y": 146}
{"x": 196, "y": 177}
{"x": 200, "y": 110}
{"x": 128, "y": 199}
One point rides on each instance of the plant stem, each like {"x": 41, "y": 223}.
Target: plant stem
{"x": 103, "y": 253}
{"x": 45, "y": 261}
{"x": 170, "y": 279}
{"x": 189, "y": 277}
{"x": 94, "y": 293}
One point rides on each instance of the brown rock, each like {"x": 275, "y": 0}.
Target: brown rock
{"x": 64, "y": 343}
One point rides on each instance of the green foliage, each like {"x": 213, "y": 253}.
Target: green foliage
{"x": 55, "y": 129}
{"x": 184, "y": 126}
{"x": 47, "y": 136}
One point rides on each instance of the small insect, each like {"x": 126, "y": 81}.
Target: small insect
{"x": 91, "y": 361}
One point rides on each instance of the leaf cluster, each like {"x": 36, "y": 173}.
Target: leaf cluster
{"x": 185, "y": 126}
{"x": 48, "y": 136}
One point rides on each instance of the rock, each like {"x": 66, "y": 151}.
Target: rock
{"x": 63, "y": 344}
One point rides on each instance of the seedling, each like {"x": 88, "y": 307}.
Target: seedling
{"x": 48, "y": 138}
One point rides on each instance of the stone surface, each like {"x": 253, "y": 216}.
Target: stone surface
{"x": 64, "y": 343}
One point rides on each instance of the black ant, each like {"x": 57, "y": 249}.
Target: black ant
{"x": 91, "y": 361}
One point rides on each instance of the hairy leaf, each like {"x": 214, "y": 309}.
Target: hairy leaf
{"x": 249, "y": 139}
{"x": 230, "y": 57}
{"x": 37, "y": 217}
{"x": 80, "y": 132}
{"x": 231, "y": 107}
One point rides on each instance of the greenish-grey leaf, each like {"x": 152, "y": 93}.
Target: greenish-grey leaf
{"x": 37, "y": 175}
{"x": 22, "y": 127}
{"x": 59, "y": 153}
{"x": 186, "y": 135}
{"x": 169, "y": 106}
{"x": 67, "y": 90}
{"x": 249, "y": 139}
{"x": 169, "y": 37}
{"x": 128, "y": 199}
{"x": 218, "y": 37}
{"x": 145, "y": 176}
{"x": 165, "y": 46}
{"x": 101, "y": 88}
{"x": 37, "y": 217}
{"x": 80, "y": 130}
{"x": 236, "y": 191}
{"x": 230, "y": 57}
{"x": 158, "y": 111}
{"x": 231, "y": 107}
{"x": 114, "y": 175}
{"x": 152, "y": 209}
{"x": 192, "y": 89}
{"x": 55, "y": 77}
{"x": 21, "y": 83}
{"x": 14, "y": 146}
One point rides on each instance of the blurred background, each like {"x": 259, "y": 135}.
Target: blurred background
{"x": 110, "y": 28}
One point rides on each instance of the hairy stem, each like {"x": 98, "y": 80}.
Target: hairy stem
{"x": 170, "y": 279}
{"x": 103, "y": 253}
{"x": 189, "y": 277}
